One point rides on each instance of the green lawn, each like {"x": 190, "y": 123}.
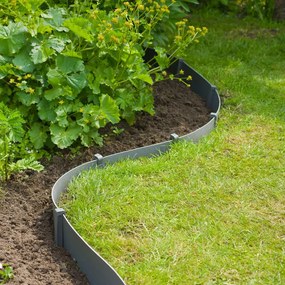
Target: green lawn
{"x": 212, "y": 212}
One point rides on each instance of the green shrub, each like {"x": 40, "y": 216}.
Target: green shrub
{"x": 72, "y": 71}
{"x": 14, "y": 155}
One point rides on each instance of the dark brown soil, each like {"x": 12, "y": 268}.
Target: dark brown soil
{"x": 26, "y": 226}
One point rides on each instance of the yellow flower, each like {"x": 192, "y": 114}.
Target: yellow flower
{"x": 31, "y": 90}
{"x": 27, "y": 76}
{"x": 94, "y": 14}
{"x": 181, "y": 71}
{"x": 81, "y": 110}
{"x": 141, "y": 7}
{"x": 115, "y": 20}
{"x": 189, "y": 77}
{"x": 129, "y": 24}
{"x": 61, "y": 102}
{"x": 101, "y": 37}
{"x": 12, "y": 80}
{"x": 164, "y": 73}
{"x": 115, "y": 39}
{"x": 165, "y": 9}
{"x": 178, "y": 38}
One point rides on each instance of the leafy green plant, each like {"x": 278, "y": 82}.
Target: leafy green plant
{"x": 6, "y": 273}
{"x": 71, "y": 71}
{"x": 13, "y": 158}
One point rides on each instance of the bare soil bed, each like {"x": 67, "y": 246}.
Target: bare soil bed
{"x": 26, "y": 225}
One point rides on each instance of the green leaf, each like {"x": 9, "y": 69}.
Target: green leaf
{"x": 53, "y": 93}
{"x": 32, "y": 5}
{"x": 80, "y": 27}
{"x": 77, "y": 81}
{"x": 23, "y": 62}
{"x": 26, "y": 163}
{"x": 67, "y": 64}
{"x": 38, "y": 135}
{"x": 54, "y": 77}
{"x": 89, "y": 139}
{"x": 162, "y": 58}
{"x": 62, "y": 114}
{"x": 27, "y": 99}
{"x": 41, "y": 52}
{"x": 11, "y": 123}
{"x": 46, "y": 110}
{"x": 72, "y": 53}
{"x": 64, "y": 137}
{"x": 5, "y": 70}
{"x": 56, "y": 43}
{"x": 110, "y": 109}
{"x": 55, "y": 17}
{"x": 145, "y": 77}
{"x": 12, "y": 38}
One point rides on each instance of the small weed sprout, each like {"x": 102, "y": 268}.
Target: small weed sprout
{"x": 6, "y": 273}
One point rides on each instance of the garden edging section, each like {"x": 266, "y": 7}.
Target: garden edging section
{"x": 97, "y": 270}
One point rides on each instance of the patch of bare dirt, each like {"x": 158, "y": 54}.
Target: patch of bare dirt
{"x": 26, "y": 225}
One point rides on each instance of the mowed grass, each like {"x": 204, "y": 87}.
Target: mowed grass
{"x": 206, "y": 213}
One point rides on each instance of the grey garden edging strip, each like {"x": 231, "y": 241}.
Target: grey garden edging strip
{"x": 97, "y": 270}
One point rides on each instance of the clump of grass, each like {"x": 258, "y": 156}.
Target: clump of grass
{"x": 211, "y": 213}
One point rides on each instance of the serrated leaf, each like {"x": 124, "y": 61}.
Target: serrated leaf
{"x": 89, "y": 139}
{"x": 12, "y": 38}
{"x": 54, "y": 17}
{"x": 11, "y": 123}
{"x": 79, "y": 26}
{"x": 162, "y": 58}
{"x": 145, "y": 77}
{"x": 64, "y": 137}
{"x": 41, "y": 52}
{"x": 109, "y": 108}
{"x": 56, "y": 43}
{"x": 26, "y": 163}
{"x": 38, "y": 135}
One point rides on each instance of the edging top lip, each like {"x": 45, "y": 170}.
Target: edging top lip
{"x": 97, "y": 270}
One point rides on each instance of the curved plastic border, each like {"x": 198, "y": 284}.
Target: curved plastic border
{"x": 97, "y": 270}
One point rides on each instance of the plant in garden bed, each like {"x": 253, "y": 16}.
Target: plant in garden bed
{"x": 70, "y": 71}
{"x": 14, "y": 157}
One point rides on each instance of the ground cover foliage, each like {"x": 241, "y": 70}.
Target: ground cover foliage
{"x": 72, "y": 68}
{"x": 211, "y": 213}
